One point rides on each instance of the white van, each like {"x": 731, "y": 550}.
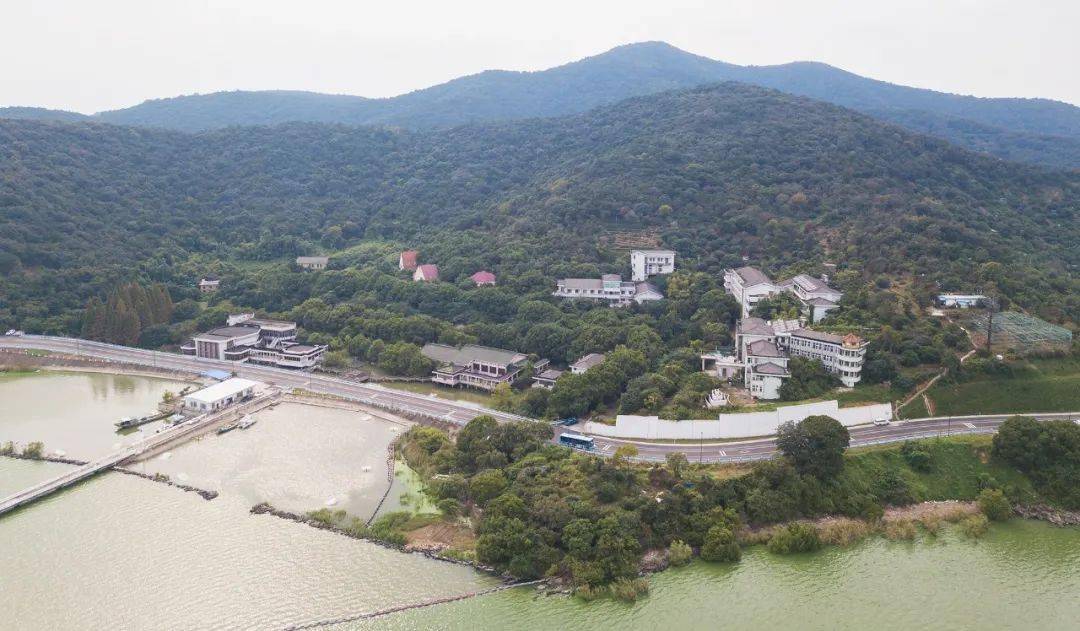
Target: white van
{"x": 881, "y": 421}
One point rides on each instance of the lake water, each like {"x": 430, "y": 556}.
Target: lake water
{"x": 119, "y": 552}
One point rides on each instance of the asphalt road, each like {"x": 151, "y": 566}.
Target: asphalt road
{"x": 461, "y": 412}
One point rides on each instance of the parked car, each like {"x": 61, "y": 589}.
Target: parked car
{"x": 881, "y": 421}
{"x": 13, "y": 332}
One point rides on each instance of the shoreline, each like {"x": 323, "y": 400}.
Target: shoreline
{"x": 265, "y": 508}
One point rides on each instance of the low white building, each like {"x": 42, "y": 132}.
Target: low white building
{"x": 312, "y": 262}
{"x": 609, "y": 287}
{"x": 646, "y": 263}
{"x": 585, "y": 363}
{"x": 209, "y": 284}
{"x": 749, "y": 285}
{"x": 960, "y": 301}
{"x": 219, "y": 395}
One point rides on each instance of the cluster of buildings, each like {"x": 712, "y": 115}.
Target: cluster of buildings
{"x": 763, "y": 350}
{"x": 612, "y": 289}
{"x": 429, "y": 272}
{"x": 245, "y": 338}
{"x": 749, "y": 285}
{"x": 484, "y": 367}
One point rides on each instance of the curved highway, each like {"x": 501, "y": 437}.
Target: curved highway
{"x": 461, "y": 412}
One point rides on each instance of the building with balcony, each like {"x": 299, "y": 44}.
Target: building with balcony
{"x": 646, "y": 263}
{"x": 609, "y": 288}
{"x": 480, "y": 367}
{"x": 246, "y": 338}
{"x": 209, "y": 285}
{"x": 763, "y": 350}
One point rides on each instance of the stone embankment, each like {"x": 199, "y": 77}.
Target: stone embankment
{"x": 156, "y": 477}
{"x": 1055, "y": 516}
{"x": 265, "y": 508}
{"x": 164, "y": 479}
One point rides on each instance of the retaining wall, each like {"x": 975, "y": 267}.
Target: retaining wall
{"x": 742, "y": 425}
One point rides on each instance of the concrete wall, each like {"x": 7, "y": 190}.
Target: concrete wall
{"x": 743, "y": 425}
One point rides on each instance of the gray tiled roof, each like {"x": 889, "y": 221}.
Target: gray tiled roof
{"x": 752, "y": 275}
{"x": 582, "y": 283}
{"x": 769, "y": 368}
{"x": 588, "y": 361}
{"x": 445, "y": 354}
{"x": 819, "y": 336}
{"x": 764, "y": 348}
{"x": 755, "y": 326}
{"x": 821, "y": 302}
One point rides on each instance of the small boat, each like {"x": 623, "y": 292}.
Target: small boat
{"x": 226, "y": 428}
{"x": 246, "y": 422}
{"x": 126, "y": 422}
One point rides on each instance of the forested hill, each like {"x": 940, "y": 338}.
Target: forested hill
{"x": 1037, "y": 131}
{"x": 718, "y": 173}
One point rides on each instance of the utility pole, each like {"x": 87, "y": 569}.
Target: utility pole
{"x": 991, "y": 306}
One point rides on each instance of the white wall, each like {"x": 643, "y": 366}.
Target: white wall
{"x": 743, "y": 425}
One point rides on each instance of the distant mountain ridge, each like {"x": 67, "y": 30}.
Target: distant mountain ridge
{"x": 1038, "y": 131}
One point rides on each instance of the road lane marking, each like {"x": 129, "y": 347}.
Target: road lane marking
{"x": 970, "y": 426}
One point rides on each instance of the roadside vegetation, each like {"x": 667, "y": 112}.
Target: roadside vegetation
{"x": 543, "y": 510}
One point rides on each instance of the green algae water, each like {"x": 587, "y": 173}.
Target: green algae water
{"x": 1022, "y": 575}
{"x": 119, "y": 552}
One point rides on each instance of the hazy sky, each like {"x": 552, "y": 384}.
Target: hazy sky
{"x": 90, "y": 55}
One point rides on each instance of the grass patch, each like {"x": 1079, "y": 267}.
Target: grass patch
{"x": 861, "y": 395}
{"x": 959, "y": 468}
{"x": 443, "y": 392}
{"x": 915, "y": 409}
{"x": 1053, "y": 392}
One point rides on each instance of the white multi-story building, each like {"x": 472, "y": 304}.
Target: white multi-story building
{"x": 842, "y": 355}
{"x": 245, "y": 338}
{"x": 646, "y": 263}
{"x": 763, "y": 350}
{"x": 609, "y": 287}
{"x": 749, "y": 285}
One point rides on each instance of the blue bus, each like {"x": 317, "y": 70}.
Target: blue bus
{"x": 576, "y": 441}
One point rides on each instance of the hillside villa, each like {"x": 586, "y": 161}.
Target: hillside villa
{"x": 312, "y": 262}
{"x": 646, "y": 263}
{"x": 763, "y": 350}
{"x": 480, "y": 367}
{"x": 407, "y": 261}
{"x": 609, "y": 288}
{"x": 749, "y": 285}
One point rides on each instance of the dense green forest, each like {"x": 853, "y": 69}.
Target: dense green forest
{"x": 1037, "y": 131}
{"x": 722, "y": 174}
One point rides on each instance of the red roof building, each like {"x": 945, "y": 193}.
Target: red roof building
{"x": 407, "y": 261}
{"x": 426, "y": 273}
{"x": 483, "y": 277}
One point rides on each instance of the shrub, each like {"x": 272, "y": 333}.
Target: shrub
{"x": 449, "y": 507}
{"x": 587, "y": 592}
{"x": 994, "y": 504}
{"x": 720, "y": 545}
{"x": 7, "y": 449}
{"x": 629, "y": 589}
{"x": 34, "y": 450}
{"x": 843, "y": 532}
{"x": 796, "y": 537}
{"x": 679, "y": 553}
{"x": 917, "y": 458}
{"x": 901, "y": 529}
{"x": 975, "y": 526}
